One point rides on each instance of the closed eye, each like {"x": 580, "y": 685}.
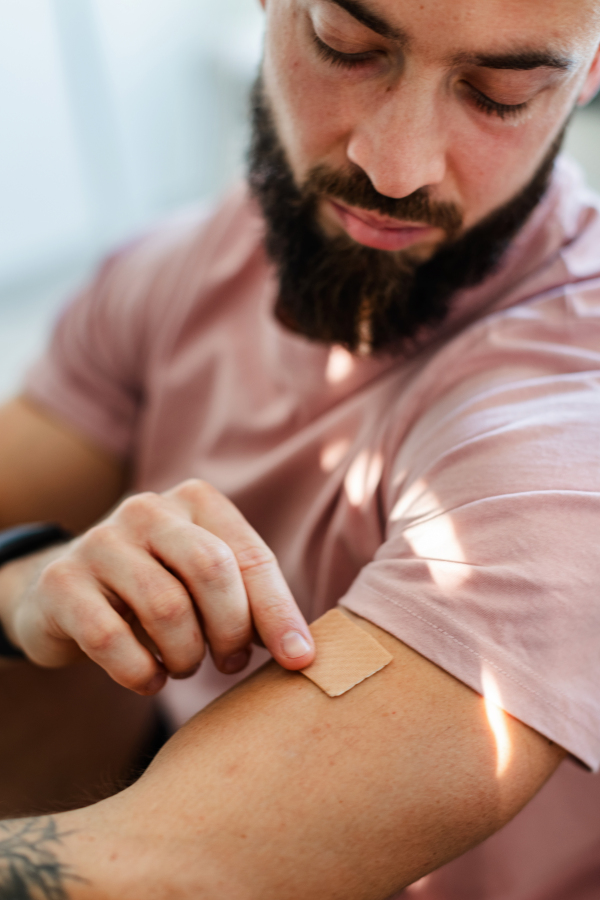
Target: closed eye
{"x": 337, "y": 58}
{"x": 492, "y": 107}
{"x": 355, "y": 60}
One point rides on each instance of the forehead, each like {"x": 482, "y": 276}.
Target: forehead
{"x": 570, "y": 28}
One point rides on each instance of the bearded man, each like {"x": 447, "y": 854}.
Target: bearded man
{"x": 369, "y": 378}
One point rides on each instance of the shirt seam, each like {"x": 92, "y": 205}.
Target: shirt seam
{"x": 494, "y": 665}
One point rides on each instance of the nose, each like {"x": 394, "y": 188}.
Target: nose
{"x": 400, "y": 143}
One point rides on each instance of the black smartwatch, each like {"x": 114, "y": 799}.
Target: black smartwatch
{"x": 21, "y": 541}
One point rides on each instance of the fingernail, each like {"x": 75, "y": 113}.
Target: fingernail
{"x": 236, "y": 662}
{"x": 294, "y": 645}
{"x": 181, "y": 676}
{"x": 156, "y": 683}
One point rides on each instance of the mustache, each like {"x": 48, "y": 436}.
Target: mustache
{"x": 355, "y": 188}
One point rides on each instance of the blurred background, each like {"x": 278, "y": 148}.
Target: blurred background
{"x": 114, "y": 113}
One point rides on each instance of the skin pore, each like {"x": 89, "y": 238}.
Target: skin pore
{"x": 266, "y": 793}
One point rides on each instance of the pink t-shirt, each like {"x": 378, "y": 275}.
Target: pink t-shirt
{"x": 453, "y": 498}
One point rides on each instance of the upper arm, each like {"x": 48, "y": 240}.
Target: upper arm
{"x": 65, "y": 449}
{"x": 64, "y": 444}
{"x": 276, "y": 790}
{"x": 489, "y": 566}
{"x": 48, "y": 472}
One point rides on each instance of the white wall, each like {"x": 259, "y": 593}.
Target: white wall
{"x": 176, "y": 70}
{"x": 112, "y": 112}
{"x": 44, "y": 209}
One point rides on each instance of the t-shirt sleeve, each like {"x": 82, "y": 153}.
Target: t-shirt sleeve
{"x": 94, "y": 371}
{"x": 490, "y": 566}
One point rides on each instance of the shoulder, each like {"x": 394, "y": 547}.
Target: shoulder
{"x": 144, "y": 293}
{"x": 521, "y": 383}
{"x": 167, "y": 264}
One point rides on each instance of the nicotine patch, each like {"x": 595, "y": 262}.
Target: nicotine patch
{"x": 346, "y": 654}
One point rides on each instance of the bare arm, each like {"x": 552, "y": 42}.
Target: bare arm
{"x": 70, "y": 734}
{"x": 277, "y": 791}
{"x": 50, "y": 473}
{"x": 129, "y": 590}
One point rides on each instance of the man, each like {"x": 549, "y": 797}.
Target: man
{"x": 397, "y": 409}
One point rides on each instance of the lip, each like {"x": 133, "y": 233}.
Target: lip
{"x": 379, "y": 232}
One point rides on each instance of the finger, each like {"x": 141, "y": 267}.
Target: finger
{"x": 274, "y": 611}
{"x": 110, "y": 642}
{"x": 276, "y": 616}
{"x": 82, "y": 614}
{"x": 142, "y": 635}
{"x": 210, "y": 572}
{"x": 159, "y": 601}
{"x": 203, "y": 563}
{"x": 40, "y": 646}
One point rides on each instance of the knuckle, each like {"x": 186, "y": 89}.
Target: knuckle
{"x": 101, "y": 538}
{"x": 57, "y": 576}
{"x": 100, "y": 637}
{"x": 193, "y": 490}
{"x": 168, "y": 607}
{"x": 273, "y": 614}
{"x": 255, "y": 557}
{"x": 218, "y": 563}
{"x": 233, "y": 638}
{"x": 139, "y": 507}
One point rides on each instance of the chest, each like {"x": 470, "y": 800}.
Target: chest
{"x": 303, "y": 459}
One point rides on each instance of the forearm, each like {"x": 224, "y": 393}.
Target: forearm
{"x": 277, "y": 790}
{"x": 50, "y": 473}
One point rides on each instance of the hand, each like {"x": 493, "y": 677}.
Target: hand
{"x": 143, "y": 592}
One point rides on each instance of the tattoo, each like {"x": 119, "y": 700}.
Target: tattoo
{"x": 29, "y": 866}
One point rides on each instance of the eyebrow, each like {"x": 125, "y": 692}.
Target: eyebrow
{"x": 372, "y": 20}
{"x": 521, "y": 60}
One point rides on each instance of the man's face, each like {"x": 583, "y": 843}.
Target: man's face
{"x": 454, "y": 102}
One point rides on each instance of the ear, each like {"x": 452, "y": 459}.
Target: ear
{"x": 592, "y": 82}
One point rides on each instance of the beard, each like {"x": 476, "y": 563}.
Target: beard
{"x": 334, "y": 290}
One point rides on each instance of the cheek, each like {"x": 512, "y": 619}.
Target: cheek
{"x": 487, "y": 162}
{"x": 490, "y": 164}
{"x": 484, "y": 174}
{"x": 312, "y": 112}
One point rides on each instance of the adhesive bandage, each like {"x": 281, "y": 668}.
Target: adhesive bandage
{"x": 346, "y": 654}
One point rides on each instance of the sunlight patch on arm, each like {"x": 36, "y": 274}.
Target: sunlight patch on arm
{"x": 497, "y": 719}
